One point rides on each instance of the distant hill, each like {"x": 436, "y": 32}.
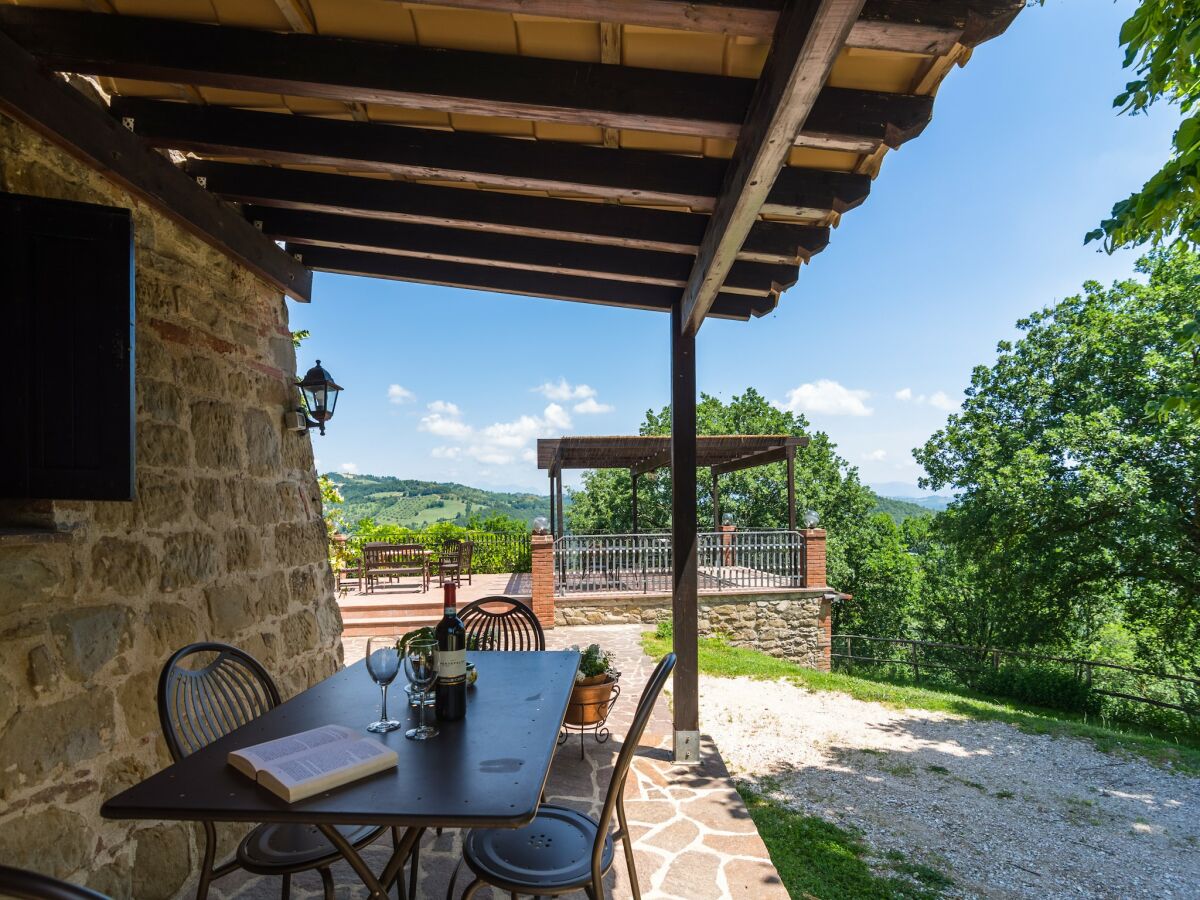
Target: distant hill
{"x": 935, "y": 504}
{"x": 901, "y": 509}
{"x": 415, "y": 504}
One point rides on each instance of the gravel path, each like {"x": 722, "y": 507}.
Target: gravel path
{"x": 1002, "y": 812}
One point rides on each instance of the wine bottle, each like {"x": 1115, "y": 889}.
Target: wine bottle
{"x": 450, "y": 700}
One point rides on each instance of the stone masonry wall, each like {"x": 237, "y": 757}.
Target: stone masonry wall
{"x": 792, "y": 625}
{"x": 224, "y": 541}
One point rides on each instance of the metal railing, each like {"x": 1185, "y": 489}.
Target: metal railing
{"x": 641, "y": 563}
{"x": 493, "y": 551}
{"x": 971, "y": 665}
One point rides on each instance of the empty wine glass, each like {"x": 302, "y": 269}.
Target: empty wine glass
{"x": 383, "y": 663}
{"x": 420, "y": 664}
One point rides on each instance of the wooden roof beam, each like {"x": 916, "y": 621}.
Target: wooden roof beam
{"x": 930, "y": 27}
{"x": 652, "y": 463}
{"x": 634, "y": 176}
{"x": 513, "y": 281}
{"x": 605, "y": 224}
{"x": 808, "y": 38}
{"x": 507, "y": 251}
{"x": 455, "y": 81}
{"x": 77, "y": 124}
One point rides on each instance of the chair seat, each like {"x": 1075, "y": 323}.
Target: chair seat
{"x": 276, "y": 849}
{"x": 552, "y": 853}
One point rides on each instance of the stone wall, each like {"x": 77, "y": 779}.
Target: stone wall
{"x": 224, "y": 541}
{"x": 793, "y": 625}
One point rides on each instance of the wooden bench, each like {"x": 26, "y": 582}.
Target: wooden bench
{"x": 383, "y": 560}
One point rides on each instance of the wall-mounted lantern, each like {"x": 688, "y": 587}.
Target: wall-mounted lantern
{"x": 319, "y": 393}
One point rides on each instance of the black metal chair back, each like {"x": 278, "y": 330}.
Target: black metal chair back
{"x": 614, "y": 799}
{"x": 34, "y": 886}
{"x": 197, "y": 705}
{"x": 502, "y": 623}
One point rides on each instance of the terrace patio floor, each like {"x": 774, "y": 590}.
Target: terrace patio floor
{"x": 401, "y": 605}
{"x": 693, "y": 837}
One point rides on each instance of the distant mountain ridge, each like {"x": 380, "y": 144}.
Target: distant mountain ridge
{"x": 417, "y": 504}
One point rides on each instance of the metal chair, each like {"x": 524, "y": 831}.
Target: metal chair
{"x": 34, "y": 886}
{"x": 196, "y": 706}
{"x": 562, "y": 850}
{"x": 502, "y": 623}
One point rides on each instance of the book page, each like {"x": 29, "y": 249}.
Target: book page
{"x": 250, "y": 760}
{"x": 296, "y": 777}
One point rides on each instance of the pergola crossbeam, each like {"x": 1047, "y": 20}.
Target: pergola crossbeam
{"x": 449, "y": 81}
{"x": 494, "y": 211}
{"x": 808, "y": 38}
{"x": 506, "y": 250}
{"x": 487, "y": 277}
{"x": 637, "y": 176}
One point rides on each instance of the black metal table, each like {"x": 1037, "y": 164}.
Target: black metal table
{"x": 487, "y": 770}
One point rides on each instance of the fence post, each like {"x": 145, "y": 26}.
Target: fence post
{"x": 912, "y": 645}
{"x": 995, "y": 660}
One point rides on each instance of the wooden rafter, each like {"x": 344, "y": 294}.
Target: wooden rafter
{"x": 81, "y": 127}
{"x": 484, "y": 84}
{"x": 808, "y": 38}
{"x": 908, "y": 26}
{"x": 545, "y": 217}
{"x": 513, "y": 281}
{"x": 506, "y": 250}
{"x": 636, "y": 176}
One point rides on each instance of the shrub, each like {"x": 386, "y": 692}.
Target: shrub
{"x": 1040, "y": 684}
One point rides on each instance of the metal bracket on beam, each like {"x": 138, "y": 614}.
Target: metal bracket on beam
{"x": 127, "y": 121}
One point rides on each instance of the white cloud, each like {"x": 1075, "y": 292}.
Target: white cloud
{"x": 939, "y": 400}
{"x": 590, "y": 407}
{"x": 828, "y": 397}
{"x": 446, "y": 452}
{"x": 875, "y": 455}
{"x": 529, "y": 455}
{"x": 398, "y": 394}
{"x": 562, "y": 390}
{"x": 349, "y": 468}
{"x": 444, "y": 421}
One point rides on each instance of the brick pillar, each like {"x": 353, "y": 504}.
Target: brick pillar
{"x": 542, "y": 546}
{"x": 824, "y": 660}
{"x": 814, "y": 557}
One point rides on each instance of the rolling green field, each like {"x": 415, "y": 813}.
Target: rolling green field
{"x": 417, "y": 504}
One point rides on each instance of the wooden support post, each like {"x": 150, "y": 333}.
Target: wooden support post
{"x": 553, "y": 520}
{"x": 791, "y": 487}
{"x": 684, "y": 606}
{"x": 716, "y": 498}
{"x": 633, "y": 477}
{"x": 562, "y": 528}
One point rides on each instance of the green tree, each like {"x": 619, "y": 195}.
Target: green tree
{"x": 1076, "y": 509}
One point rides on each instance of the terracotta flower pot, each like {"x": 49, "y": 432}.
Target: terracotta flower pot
{"x": 589, "y": 700}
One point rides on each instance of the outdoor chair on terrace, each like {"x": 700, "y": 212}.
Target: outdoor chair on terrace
{"x": 562, "y": 850}
{"x": 381, "y": 560}
{"x": 455, "y": 561}
{"x": 502, "y": 623}
{"x": 200, "y": 703}
{"x": 34, "y": 886}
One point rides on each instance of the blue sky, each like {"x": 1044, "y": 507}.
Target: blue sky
{"x": 972, "y": 225}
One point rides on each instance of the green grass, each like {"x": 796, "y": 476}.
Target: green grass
{"x": 818, "y": 859}
{"x": 716, "y": 657}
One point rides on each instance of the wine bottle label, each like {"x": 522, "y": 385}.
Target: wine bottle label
{"x": 452, "y": 666}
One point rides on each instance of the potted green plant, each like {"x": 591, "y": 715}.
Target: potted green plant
{"x": 593, "y": 687}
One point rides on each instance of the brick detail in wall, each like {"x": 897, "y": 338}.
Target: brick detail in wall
{"x": 542, "y": 568}
{"x": 814, "y": 557}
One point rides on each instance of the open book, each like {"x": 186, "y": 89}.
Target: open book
{"x": 313, "y": 761}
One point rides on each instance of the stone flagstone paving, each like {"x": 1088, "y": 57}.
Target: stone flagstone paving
{"x": 693, "y": 838}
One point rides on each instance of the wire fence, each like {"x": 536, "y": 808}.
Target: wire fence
{"x": 1074, "y": 684}
{"x": 641, "y": 563}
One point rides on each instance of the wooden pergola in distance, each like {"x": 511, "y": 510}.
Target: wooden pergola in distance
{"x": 681, "y": 156}
{"x": 642, "y": 454}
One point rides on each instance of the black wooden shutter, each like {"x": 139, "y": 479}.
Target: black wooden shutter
{"x": 66, "y": 373}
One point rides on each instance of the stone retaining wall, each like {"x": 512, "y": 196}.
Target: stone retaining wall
{"x": 224, "y": 541}
{"x": 793, "y": 625}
